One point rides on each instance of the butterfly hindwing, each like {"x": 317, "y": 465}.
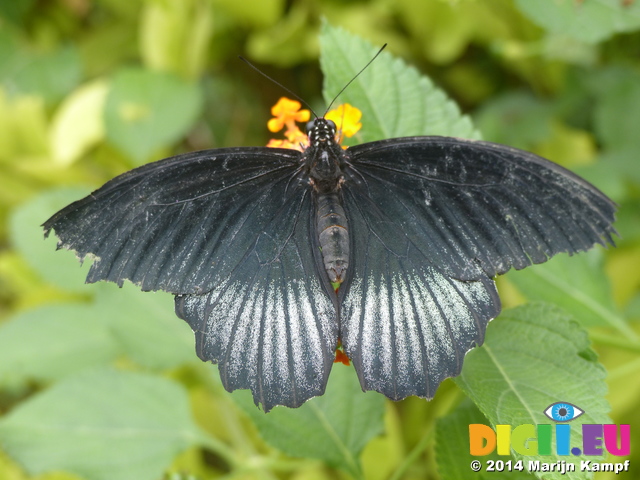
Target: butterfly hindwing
{"x": 272, "y": 324}
{"x": 405, "y": 324}
{"x": 475, "y": 207}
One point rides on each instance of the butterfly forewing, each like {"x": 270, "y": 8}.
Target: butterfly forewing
{"x": 180, "y": 224}
{"x": 476, "y": 208}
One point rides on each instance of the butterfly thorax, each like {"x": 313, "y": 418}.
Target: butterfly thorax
{"x": 325, "y": 158}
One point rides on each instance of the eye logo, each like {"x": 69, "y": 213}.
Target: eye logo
{"x": 562, "y": 412}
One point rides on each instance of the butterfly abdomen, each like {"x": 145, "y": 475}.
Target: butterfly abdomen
{"x": 333, "y": 234}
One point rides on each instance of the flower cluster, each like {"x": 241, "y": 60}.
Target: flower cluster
{"x": 286, "y": 113}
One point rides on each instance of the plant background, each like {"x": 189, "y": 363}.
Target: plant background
{"x": 102, "y": 383}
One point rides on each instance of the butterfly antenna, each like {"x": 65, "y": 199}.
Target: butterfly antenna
{"x": 354, "y": 77}
{"x": 278, "y": 83}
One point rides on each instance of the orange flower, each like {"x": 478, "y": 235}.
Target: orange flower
{"x": 277, "y": 143}
{"x": 341, "y": 357}
{"x": 286, "y": 112}
{"x": 295, "y": 136}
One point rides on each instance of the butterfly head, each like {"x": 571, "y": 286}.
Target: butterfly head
{"x": 321, "y": 132}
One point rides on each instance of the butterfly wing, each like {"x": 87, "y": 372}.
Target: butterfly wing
{"x": 271, "y": 325}
{"x": 432, "y": 219}
{"x": 229, "y": 232}
{"x": 473, "y": 206}
{"x": 181, "y": 224}
{"x": 405, "y": 324}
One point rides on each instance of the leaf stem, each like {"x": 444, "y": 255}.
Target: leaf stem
{"x": 414, "y": 454}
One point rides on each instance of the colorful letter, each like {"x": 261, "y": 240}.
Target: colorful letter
{"x": 523, "y": 440}
{"x": 592, "y": 439}
{"x": 563, "y": 438}
{"x": 544, "y": 439}
{"x": 478, "y": 435}
{"x": 611, "y": 437}
{"x": 503, "y": 432}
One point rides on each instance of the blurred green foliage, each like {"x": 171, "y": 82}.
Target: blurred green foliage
{"x": 102, "y": 383}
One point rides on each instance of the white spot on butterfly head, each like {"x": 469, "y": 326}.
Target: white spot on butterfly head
{"x": 321, "y": 131}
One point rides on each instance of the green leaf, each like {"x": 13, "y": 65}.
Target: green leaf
{"x": 518, "y": 119}
{"x": 288, "y": 42}
{"x": 334, "y": 427}
{"x": 590, "y": 21}
{"x": 50, "y": 76}
{"x": 628, "y": 221}
{"x": 62, "y": 339}
{"x": 102, "y": 425}
{"x": 147, "y": 110}
{"x": 576, "y": 283}
{"x": 78, "y": 123}
{"x": 617, "y": 90}
{"x": 58, "y": 267}
{"x": 452, "y": 447}
{"x": 175, "y": 36}
{"x": 534, "y": 356}
{"x": 145, "y": 325}
{"x": 23, "y": 136}
{"x": 258, "y": 14}
{"x": 395, "y": 100}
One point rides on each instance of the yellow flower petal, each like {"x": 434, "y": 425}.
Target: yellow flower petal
{"x": 346, "y": 118}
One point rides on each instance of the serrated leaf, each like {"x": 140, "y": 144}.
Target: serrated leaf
{"x": 78, "y": 123}
{"x": 62, "y": 339}
{"x": 395, "y": 100}
{"x": 590, "y": 21}
{"x": 145, "y": 325}
{"x": 148, "y": 110}
{"x": 334, "y": 427}
{"x": 60, "y": 268}
{"x": 576, "y": 283}
{"x": 102, "y": 425}
{"x": 534, "y": 356}
{"x": 452, "y": 447}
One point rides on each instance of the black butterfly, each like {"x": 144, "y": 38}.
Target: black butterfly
{"x": 413, "y": 229}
